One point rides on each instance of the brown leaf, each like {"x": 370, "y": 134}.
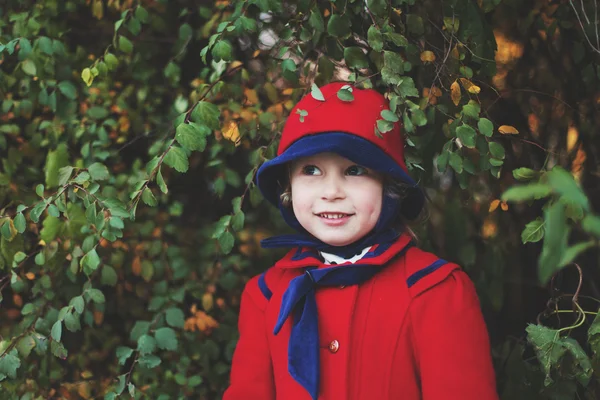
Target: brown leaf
{"x": 455, "y": 93}
{"x": 470, "y": 86}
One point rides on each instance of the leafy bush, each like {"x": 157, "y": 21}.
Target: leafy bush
{"x": 131, "y": 133}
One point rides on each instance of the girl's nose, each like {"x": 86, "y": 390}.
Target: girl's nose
{"x": 333, "y": 189}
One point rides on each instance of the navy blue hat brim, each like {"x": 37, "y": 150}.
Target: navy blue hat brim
{"x": 361, "y": 151}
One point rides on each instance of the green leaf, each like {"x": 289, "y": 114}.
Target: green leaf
{"x": 442, "y": 161}
{"x": 161, "y": 182}
{"x": 389, "y": 116}
{"x": 166, "y": 338}
{"x": 574, "y": 251}
{"x": 97, "y": 112}
{"x": 525, "y": 174}
{"x": 594, "y": 335}
{"x": 345, "y": 94}
{"x": 90, "y": 261}
{"x": 206, "y": 113}
{"x": 64, "y": 174}
{"x": 148, "y": 197}
{"x": 226, "y": 241}
{"x": 562, "y": 182}
{"x": 471, "y": 109}
{"x": 78, "y": 303}
{"x": 177, "y": 159}
{"x": 28, "y": 66}
{"x": 222, "y": 50}
{"x": 237, "y": 222}
{"x": 111, "y": 60}
{"x": 192, "y": 136}
{"x": 467, "y": 135}
{"x": 532, "y": 191}
{"x": 40, "y": 259}
{"x": 384, "y": 126}
{"x": 497, "y": 150}
{"x": 551, "y": 348}
{"x": 55, "y": 160}
{"x": 146, "y": 344}
{"x": 58, "y": 350}
{"x": 68, "y": 89}
{"x": 397, "y": 39}
{"x": 27, "y": 309}
{"x": 139, "y": 328}
{"x": 125, "y": 44}
{"x": 355, "y": 58}
{"x": 9, "y": 363}
{"x": 20, "y": 223}
{"x": 26, "y": 344}
{"x": 149, "y": 361}
{"x": 485, "y": 126}
{"x": 123, "y": 353}
{"x": 555, "y": 241}
{"x": 56, "y": 331}
{"x": 375, "y": 38}
{"x": 591, "y": 224}
{"x": 19, "y": 256}
{"x": 456, "y": 162}
{"x": 533, "y": 232}
{"x": 96, "y": 296}
{"x": 45, "y": 45}
{"x": 141, "y": 14}
{"x": 338, "y": 26}
{"x": 98, "y": 171}
{"x": 72, "y": 322}
{"x": 415, "y": 24}
{"x": 316, "y": 93}
{"x": 109, "y": 276}
{"x": 175, "y": 317}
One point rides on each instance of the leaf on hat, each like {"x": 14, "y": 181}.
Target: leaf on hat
{"x": 345, "y": 93}
{"x": 302, "y": 113}
{"x": 316, "y": 93}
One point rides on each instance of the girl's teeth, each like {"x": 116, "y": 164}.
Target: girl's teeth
{"x": 332, "y": 216}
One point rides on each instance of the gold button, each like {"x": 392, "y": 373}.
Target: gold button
{"x": 334, "y": 346}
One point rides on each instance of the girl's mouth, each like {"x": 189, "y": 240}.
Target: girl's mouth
{"x": 334, "y": 219}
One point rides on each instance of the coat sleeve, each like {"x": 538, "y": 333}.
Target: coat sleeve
{"x": 251, "y": 368}
{"x": 452, "y": 343}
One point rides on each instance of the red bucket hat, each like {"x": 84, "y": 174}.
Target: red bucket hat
{"x": 348, "y": 129}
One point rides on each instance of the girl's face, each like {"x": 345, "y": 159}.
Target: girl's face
{"x": 335, "y": 200}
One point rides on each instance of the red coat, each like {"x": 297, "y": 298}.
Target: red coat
{"x": 412, "y": 332}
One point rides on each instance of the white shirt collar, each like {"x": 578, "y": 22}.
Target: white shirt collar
{"x": 333, "y": 259}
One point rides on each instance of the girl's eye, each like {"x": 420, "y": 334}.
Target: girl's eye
{"x": 356, "y": 170}
{"x": 311, "y": 170}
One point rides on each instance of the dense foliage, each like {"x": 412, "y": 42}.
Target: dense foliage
{"x": 131, "y": 131}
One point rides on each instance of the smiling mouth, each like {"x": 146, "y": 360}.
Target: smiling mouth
{"x": 334, "y": 215}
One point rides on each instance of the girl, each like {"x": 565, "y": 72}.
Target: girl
{"x": 354, "y": 310}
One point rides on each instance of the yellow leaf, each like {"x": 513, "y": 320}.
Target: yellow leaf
{"x": 508, "y": 130}
{"x": 504, "y": 206}
{"x": 455, "y": 93}
{"x": 207, "y": 301}
{"x": 231, "y": 132}
{"x": 87, "y": 77}
{"x": 493, "y": 205}
{"x": 489, "y": 229}
{"x": 470, "y": 86}
{"x": 427, "y": 56}
{"x": 251, "y": 96}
